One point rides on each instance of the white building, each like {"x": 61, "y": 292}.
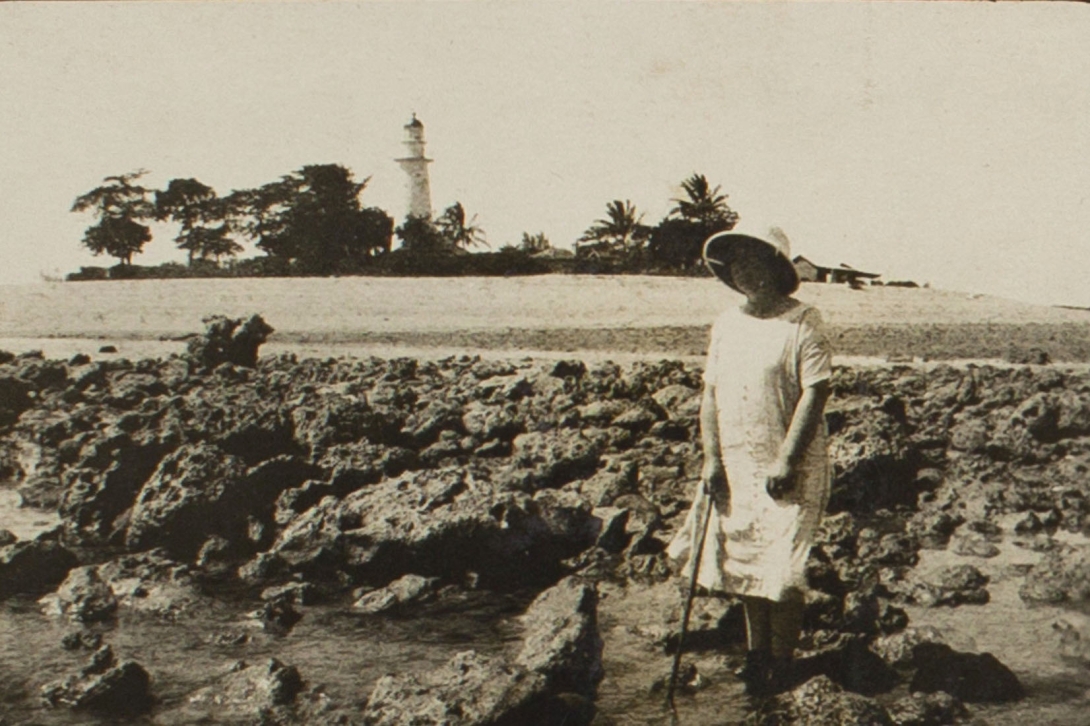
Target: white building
{"x": 416, "y": 166}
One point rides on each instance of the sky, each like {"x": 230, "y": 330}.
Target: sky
{"x": 942, "y": 142}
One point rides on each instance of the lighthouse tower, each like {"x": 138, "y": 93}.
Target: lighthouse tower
{"x": 416, "y": 166}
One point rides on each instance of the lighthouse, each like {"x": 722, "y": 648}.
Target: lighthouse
{"x": 416, "y": 166}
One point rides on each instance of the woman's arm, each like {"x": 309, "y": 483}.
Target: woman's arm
{"x": 713, "y": 476}
{"x": 804, "y": 422}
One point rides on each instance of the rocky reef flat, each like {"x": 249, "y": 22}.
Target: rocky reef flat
{"x": 384, "y": 488}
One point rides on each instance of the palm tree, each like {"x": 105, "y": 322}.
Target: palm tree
{"x": 453, "y": 226}
{"x": 704, "y": 204}
{"x": 677, "y": 241}
{"x": 534, "y": 243}
{"x": 622, "y": 227}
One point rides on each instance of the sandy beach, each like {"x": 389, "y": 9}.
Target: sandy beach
{"x": 555, "y": 314}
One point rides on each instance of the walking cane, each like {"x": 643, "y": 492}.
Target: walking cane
{"x": 688, "y": 603}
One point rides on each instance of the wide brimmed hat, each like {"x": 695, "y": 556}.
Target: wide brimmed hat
{"x": 723, "y": 248}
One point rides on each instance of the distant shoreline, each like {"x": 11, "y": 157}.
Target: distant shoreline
{"x": 1014, "y": 343}
{"x": 600, "y": 314}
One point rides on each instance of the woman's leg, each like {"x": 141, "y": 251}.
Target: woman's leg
{"x": 758, "y": 623}
{"x": 755, "y": 673}
{"x": 785, "y": 624}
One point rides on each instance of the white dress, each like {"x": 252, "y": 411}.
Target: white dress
{"x": 758, "y": 369}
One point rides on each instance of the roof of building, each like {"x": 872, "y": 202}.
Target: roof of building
{"x": 554, "y": 253}
{"x": 839, "y": 268}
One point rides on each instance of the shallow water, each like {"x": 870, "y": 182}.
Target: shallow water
{"x": 1020, "y": 636}
{"x": 22, "y": 522}
{"x": 345, "y": 653}
{"x": 625, "y": 697}
{"x": 342, "y": 652}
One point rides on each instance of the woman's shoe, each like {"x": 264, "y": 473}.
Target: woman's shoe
{"x": 756, "y": 672}
{"x": 781, "y": 675}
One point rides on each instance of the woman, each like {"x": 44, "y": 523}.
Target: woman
{"x": 765, "y": 461}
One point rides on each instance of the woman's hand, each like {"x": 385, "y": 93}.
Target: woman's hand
{"x": 780, "y": 479}
{"x": 782, "y": 475}
{"x": 714, "y": 478}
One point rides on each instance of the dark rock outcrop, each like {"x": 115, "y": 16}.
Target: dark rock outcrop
{"x": 953, "y": 585}
{"x": 101, "y": 487}
{"x": 83, "y": 596}
{"x": 186, "y": 499}
{"x": 335, "y": 418}
{"x": 609, "y": 482}
{"x": 972, "y": 677}
{"x": 470, "y": 690}
{"x": 82, "y": 640}
{"x": 561, "y": 640}
{"x": 874, "y": 460}
{"x": 247, "y": 421}
{"x": 148, "y": 582}
{"x": 250, "y": 693}
{"x": 440, "y": 523}
{"x": 277, "y": 616}
{"x": 551, "y": 681}
{"x": 228, "y": 340}
{"x": 199, "y": 491}
{"x": 14, "y": 398}
{"x": 33, "y": 567}
{"x": 1074, "y": 638}
{"x": 820, "y": 701}
{"x": 554, "y": 458}
{"x": 104, "y": 686}
{"x": 1061, "y": 577}
{"x": 402, "y": 592}
{"x": 898, "y": 649}
{"x": 927, "y": 709}
{"x": 850, "y": 664}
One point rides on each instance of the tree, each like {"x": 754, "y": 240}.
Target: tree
{"x": 376, "y": 229}
{"x": 120, "y": 237}
{"x": 186, "y": 201}
{"x": 678, "y": 241}
{"x": 118, "y": 206}
{"x": 202, "y": 215}
{"x": 214, "y": 242}
{"x": 704, "y": 204}
{"x": 260, "y": 214}
{"x": 313, "y": 218}
{"x": 420, "y": 236}
{"x": 454, "y": 228}
{"x": 532, "y": 244}
{"x": 620, "y": 230}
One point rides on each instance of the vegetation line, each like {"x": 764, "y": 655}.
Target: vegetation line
{"x": 312, "y": 222}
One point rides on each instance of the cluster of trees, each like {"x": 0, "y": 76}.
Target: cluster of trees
{"x": 310, "y": 221}
{"x": 449, "y": 232}
{"x": 675, "y": 243}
